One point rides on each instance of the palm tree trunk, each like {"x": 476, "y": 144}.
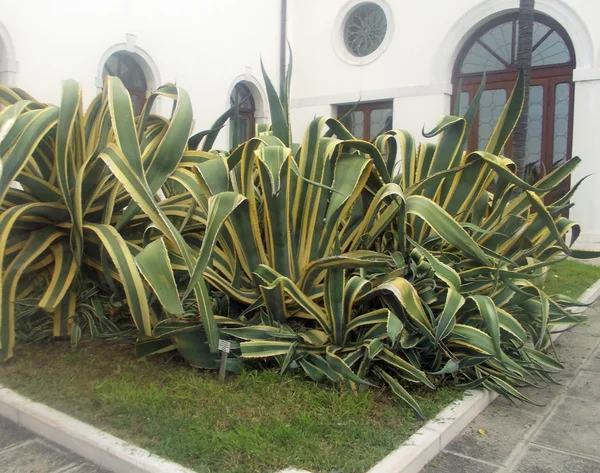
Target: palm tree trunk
{"x": 524, "y": 52}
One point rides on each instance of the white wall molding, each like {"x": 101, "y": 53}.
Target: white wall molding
{"x": 142, "y": 58}
{"x": 8, "y": 59}
{"x": 487, "y": 10}
{"x": 130, "y": 40}
{"x": 586, "y": 74}
{"x": 443, "y": 88}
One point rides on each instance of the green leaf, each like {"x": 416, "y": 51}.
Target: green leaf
{"x": 407, "y": 371}
{"x": 447, "y": 320}
{"x": 399, "y": 391}
{"x": 154, "y": 264}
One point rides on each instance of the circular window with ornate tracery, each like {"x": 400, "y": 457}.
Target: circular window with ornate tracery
{"x": 365, "y": 29}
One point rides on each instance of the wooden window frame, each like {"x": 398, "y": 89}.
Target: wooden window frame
{"x": 546, "y": 76}
{"x": 366, "y": 108}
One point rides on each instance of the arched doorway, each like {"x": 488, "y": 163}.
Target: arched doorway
{"x": 492, "y": 50}
{"x": 242, "y": 97}
{"x": 124, "y": 65}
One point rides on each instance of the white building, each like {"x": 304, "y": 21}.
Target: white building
{"x": 406, "y": 61}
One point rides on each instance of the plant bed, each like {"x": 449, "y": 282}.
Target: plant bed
{"x": 366, "y": 264}
{"x": 254, "y": 422}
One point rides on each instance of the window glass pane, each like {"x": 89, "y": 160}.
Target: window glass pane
{"x": 561, "y": 124}
{"x": 124, "y": 66}
{"x": 533, "y": 148}
{"x": 539, "y": 30}
{"x": 479, "y": 59}
{"x": 244, "y": 132}
{"x": 553, "y": 50}
{"x": 127, "y": 69}
{"x": 380, "y": 121}
{"x": 490, "y": 108}
{"x": 241, "y": 95}
{"x": 125, "y": 72}
{"x": 463, "y": 105}
{"x": 137, "y": 102}
{"x": 499, "y": 40}
{"x": 110, "y": 66}
{"x": 355, "y": 122}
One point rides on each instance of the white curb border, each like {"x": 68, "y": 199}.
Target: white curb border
{"x": 119, "y": 456}
{"x": 433, "y": 437}
{"x": 103, "y": 449}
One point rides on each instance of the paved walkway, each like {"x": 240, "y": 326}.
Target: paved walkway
{"x": 22, "y": 452}
{"x": 561, "y": 437}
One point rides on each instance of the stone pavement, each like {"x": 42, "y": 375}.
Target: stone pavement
{"x": 22, "y": 452}
{"x": 563, "y": 436}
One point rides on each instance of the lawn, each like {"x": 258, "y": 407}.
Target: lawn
{"x": 254, "y": 422}
{"x": 571, "y": 278}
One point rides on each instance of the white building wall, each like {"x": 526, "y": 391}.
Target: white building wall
{"x": 202, "y": 45}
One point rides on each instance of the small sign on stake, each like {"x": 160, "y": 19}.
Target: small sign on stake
{"x": 225, "y": 345}
{"x": 225, "y": 348}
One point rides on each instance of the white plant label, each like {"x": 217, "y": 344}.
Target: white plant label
{"x": 225, "y": 345}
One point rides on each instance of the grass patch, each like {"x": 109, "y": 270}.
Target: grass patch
{"x": 571, "y": 278}
{"x": 254, "y": 422}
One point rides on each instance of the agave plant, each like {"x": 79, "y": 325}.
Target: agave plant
{"x": 317, "y": 256}
{"x": 358, "y": 274}
{"x": 64, "y": 214}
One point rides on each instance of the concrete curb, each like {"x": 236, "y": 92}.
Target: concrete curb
{"x": 433, "y": 437}
{"x": 590, "y": 295}
{"x": 119, "y": 456}
{"x": 103, "y": 449}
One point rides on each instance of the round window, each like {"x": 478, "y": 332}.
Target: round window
{"x": 365, "y": 29}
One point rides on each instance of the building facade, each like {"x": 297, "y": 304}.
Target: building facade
{"x": 406, "y": 62}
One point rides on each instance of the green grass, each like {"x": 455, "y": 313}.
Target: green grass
{"x": 254, "y": 422}
{"x": 571, "y": 278}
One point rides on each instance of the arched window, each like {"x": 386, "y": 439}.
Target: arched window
{"x": 242, "y": 97}
{"x": 123, "y": 65}
{"x": 493, "y": 50}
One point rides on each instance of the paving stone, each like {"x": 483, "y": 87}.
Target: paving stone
{"x": 34, "y": 457}
{"x": 543, "y": 395}
{"x": 87, "y": 468}
{"x": 594, "y": 362}
{"x": 449, "y": 463}
{"x": 586, "y": 385}
{"x": 574, "y": 427}
{"x": 573, "y": 349}
{"x": 11, "y": 433}
{"x": 539, "y": 460}
{"x": 590, "y": 327}
{"x": 505, "y": 427}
